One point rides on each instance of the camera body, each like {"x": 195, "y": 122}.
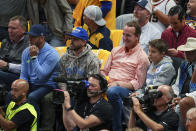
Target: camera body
{"x": 76, "y": 88}
{"x": 146, "y": 98}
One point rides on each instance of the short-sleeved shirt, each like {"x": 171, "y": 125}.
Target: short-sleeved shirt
{"x": 168, "y": 119}
{"x": 101, "y": 109}
{"x": 23, "y": 119}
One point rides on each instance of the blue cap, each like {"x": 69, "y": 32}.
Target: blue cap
{"x": 37, "y": 30}
{"x": 79, "y": 33}
{"x": 144, "y": 4}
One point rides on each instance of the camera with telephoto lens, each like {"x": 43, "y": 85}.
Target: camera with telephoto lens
{"x": 146, "y": 98}
{"x": 77, "y": 89}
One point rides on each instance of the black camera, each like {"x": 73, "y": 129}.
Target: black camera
{"x": 77, "y": 88}
{"x": 146, "y": 99}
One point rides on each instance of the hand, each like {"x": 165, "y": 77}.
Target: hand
{"x": 136, "y": 105}
{"x": 175, "y": 101}
{"x": 2, "y": 112}
{"x": 33, "y": 50}
{"x": 3, "y": 64}
{"x": 172, "y": 52}
{"x": 66, "y": 100}
{"x": 134, "y": 94}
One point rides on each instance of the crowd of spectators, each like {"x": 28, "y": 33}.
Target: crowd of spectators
{"x": 154, "y": 66}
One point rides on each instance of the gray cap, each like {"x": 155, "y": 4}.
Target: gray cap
{"x": 94, "y": 13}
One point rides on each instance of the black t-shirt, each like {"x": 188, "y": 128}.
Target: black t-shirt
{"x": 168, "y": 119}
{"x": 23, "y": 119}
{"x": 101, "y": 109}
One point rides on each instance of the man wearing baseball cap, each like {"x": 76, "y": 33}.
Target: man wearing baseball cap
{"x": 185, "y": 85}
{"x": 79, "y": 61}
{"x": 39, "y": 66}
{"x": 99, "y": 34}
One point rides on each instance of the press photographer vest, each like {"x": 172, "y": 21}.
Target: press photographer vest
{"x": 10, "y": 113}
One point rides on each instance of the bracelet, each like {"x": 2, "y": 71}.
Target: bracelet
{"x": 33, "y": 57}
{"x": 69, "y": 109}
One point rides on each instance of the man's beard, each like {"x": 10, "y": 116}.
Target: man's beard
{"x": 76, "y": 48}
{"x": 18, "y": 99}
{"x": 135, "y": 19}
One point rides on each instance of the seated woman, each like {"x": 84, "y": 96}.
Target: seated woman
{"x": 161, "y": 70}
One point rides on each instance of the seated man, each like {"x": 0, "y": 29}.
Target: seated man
{"x": 191, "y": 119}
{"x": 20, "y": 115}
{"x": 99, "y": 37}
{"x": 11, "y": 51}
{"x": 79, "y": 61}
{"x": 93, "y": 115}
{"x": 177, "y": 35}
{"x": 126, "y": 67}
{"x": 161, "y": 119}
{"x": 185, "y": 85}
{"x": 161, "y": 70}
{"x": 39, "y": 66}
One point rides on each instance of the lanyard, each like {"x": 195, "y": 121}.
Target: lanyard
{"x": 86, "y": 110}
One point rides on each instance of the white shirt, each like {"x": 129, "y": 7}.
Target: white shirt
{"x": 164, "y": 6}
{"x": 149, "y": 33}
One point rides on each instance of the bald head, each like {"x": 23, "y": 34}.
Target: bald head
{"x": 167, "y": 90}
{"x": 192, "y": 112}
{"x": 21, "y": 84}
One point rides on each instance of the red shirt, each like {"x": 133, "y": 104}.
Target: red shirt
{"x": 169, "y": 36}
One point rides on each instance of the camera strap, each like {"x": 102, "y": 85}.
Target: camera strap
{"x": 89, "y": 107}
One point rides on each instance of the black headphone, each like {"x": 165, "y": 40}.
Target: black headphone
{"x": 102, "y": 81}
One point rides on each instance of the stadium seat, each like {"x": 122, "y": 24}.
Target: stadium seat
{"x": 61, "y": 50}
{"x": 116, "y": 36}
{"x": 102, "y": 55}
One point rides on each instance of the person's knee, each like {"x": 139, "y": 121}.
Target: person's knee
{"x": 112, "y": 92}
{"x": 32, "y": 98}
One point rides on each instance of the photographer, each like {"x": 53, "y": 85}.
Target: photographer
{"x": 162, "y": 118}
{"x": 95, "y": 114}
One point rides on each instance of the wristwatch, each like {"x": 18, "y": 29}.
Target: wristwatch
{"x": 69, "y": 109}
{"x": 33, "y": 57}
